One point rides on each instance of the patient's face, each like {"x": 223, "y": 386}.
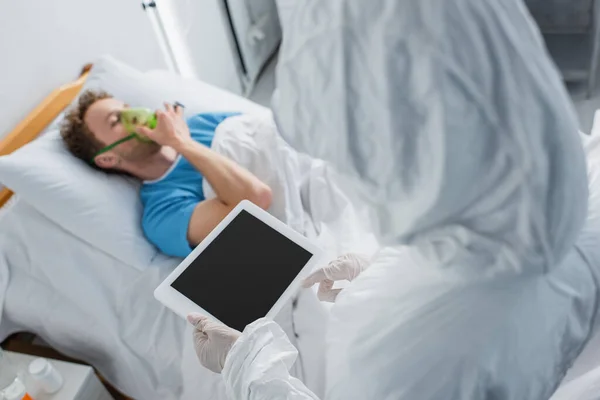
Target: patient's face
{"x": 102, "y": 118}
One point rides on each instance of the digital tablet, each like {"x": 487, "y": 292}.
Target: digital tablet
{"x": 247, "y": 268}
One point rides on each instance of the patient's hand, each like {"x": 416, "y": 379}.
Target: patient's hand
{"x": 171, "y": 129}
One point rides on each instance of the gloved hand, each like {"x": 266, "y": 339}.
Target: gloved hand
{"x": 212, "y": 341}
{"x": 346, "y": 267}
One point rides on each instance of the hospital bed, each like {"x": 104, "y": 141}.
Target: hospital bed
{"x": 77, "y": 272}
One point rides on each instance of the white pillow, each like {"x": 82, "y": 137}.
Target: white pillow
{"x": 198, "y": 96}
{"x": 152, "y": 89}
{"x": 105, "y": 210}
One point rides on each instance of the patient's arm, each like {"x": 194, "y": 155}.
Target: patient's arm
{"x": 206, "y": 216}
{"x": 231, "y": 182}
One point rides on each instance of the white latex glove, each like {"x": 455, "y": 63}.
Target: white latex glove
{"x": 346, "y": 267}
{"x": 212, "y": 341}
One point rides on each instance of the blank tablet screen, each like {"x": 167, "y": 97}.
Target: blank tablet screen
{"x": 242, "y": 273}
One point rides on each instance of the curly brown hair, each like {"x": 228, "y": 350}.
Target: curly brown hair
{"x": 75, "y": 133}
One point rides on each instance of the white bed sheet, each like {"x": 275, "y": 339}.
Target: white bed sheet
{"x": 89, "y": 305}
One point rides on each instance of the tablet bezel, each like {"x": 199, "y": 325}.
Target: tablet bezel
{"x": 182, "y": 306}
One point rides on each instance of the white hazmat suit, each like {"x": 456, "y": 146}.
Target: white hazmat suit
{"x": 449, "y": 119}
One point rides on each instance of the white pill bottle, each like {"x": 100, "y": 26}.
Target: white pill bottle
{"x": 45, "y": 375}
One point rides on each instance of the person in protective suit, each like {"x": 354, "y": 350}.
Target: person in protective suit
{"x": 450, "y": 121}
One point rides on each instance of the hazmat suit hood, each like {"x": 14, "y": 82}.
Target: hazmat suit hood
{"x": 447, "y": 118}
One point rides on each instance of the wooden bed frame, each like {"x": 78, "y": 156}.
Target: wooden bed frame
{"x": 26, "y": 131}
{"x": 37, "y": 120}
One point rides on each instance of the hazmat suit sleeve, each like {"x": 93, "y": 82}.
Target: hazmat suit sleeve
{"x": 257, "y": 366}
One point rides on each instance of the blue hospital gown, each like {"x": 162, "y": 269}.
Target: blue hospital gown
{"x": 170, "y": 200}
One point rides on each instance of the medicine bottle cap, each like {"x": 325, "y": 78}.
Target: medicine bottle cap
{"x": 39, "y": 367}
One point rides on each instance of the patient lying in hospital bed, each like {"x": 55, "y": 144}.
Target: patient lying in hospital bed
{"x": 177, "y": 216}
{"x": 76, "y": 269}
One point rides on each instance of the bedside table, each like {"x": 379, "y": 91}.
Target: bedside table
{"x": 80, "y": 381}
